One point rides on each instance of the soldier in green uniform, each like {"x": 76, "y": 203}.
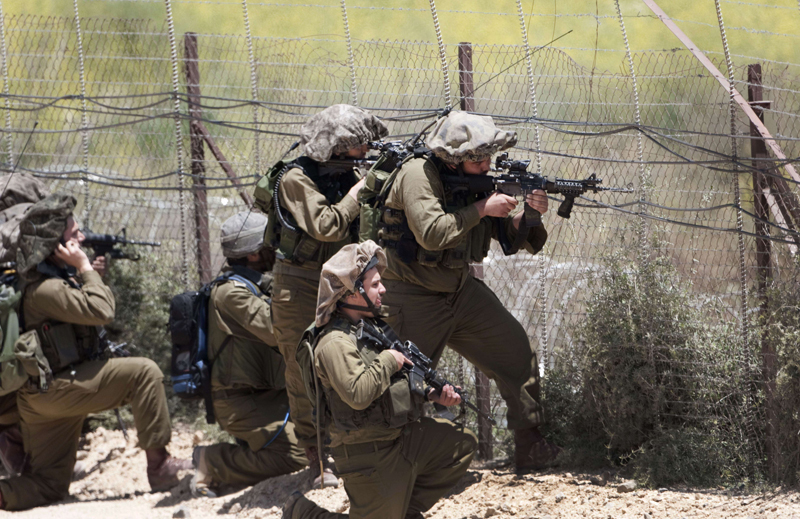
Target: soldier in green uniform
{"x": 319, "y": 204}
{"x": 394, "y": 464}
{"x": 247, "y": 378}
{"x": 64, "y": 303}
{"x": 431, "y": 236}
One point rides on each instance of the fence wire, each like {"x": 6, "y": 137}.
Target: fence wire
{"x": 106, "y": 103}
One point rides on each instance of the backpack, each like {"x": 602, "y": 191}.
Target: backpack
{"x": 188, "y": 325}
{"x": 12, "y": 372}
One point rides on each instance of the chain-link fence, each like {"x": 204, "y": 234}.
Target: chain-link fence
{"x": 116, "y": 129}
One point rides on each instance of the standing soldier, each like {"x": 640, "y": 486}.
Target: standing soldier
{"x": 314, "y": 218}
{"x": 247, "y": 379}
{"x": 394, "y": 463}
{"x": 431, "y": 236}
{"x": 63, "y": 312}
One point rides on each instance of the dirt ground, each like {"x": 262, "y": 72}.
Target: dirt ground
{"x": 116, "y": 487}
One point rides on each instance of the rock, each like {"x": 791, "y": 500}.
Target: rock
{"x": 628, "y": 486}
{"x": 81, "y": 455}
{"x": 198, "y": 437}
{"x": 594, "y": 480}
{"x": 657, "y": 499}
{"x": 662, "y": 489}
{"x": 110, "y": 494}
{"x": 560, "y": 497}
{"x": 235, "y": 509}
{"x": 182, "y": 512}
{"x": 490, "y": 512}
{"x": 474, "y": 516}
{"x": 646, "y": 516}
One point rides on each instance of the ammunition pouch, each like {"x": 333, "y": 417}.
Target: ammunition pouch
{"x": 65, "y": 344}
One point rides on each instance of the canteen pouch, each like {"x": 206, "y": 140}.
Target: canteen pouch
{"x": 28, "y": 352}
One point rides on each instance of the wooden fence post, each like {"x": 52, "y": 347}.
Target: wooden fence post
{"x": 758, "y": 150}
{"x": 198, "y": 169}
{"x": 482, "y": 386}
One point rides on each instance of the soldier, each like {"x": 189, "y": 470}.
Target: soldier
{"x": 394, "y": 464}
{"x": 247, "y": 379}
{"x": 319, "y": 204}
{"x": 63, "y": 312}
{"x": 431, "y": 236}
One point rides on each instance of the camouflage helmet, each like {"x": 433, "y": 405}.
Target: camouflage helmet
{"x": 20, "y": 188}
{"x": 337, "y": 129}
{"x": 461, "y": 136}
{"x": 242, "y": 234}
{"x": 40, "y": 231}
{"x": 340, "y": 273}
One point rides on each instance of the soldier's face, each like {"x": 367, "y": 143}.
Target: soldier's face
{"x": 73, "y": 232}
{"x": 471, "y": 167}
{"x": 358, "y": 152}
{"x": 374, "y": 289}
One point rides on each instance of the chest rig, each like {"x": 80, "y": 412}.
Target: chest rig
{"x": 396, "y": 407}
{"x": 390, "y": 227}
{"x": 290, "y": 241}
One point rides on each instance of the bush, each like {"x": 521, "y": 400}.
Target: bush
{"x": 637, "y": 390}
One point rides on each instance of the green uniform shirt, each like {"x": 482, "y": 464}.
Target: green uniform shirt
{"x": 340, "y": 367}
{"x": 250, "y": 359}
{"x": 418, "y": 192}
{"x": 313, "y": 212}
{"x": 53, "y": 299}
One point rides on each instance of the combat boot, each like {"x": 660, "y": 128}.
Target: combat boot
{"x": 532, "y": 451}
{"x": 162, "y": 469}
{"x": 324, "y": 479}
{"x": 200, "y": 485}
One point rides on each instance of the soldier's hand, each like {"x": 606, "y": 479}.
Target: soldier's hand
{"x": 497, "y": 204}
{"x": 400, "y": 358}
{"x": 100, "y": 265}
{"x": 356, "y": 188}
{"x": 72, "y": 254}
{"x": 447, "y": 397}
{"x": 538, "y": 200}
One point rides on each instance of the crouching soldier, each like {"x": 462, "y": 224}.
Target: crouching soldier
{"x": 394, "y": 464}
{"x": 247, "y": 379}
{"x": 64, "y": 304}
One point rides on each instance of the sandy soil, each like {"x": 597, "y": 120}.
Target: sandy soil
{"x": 116, "y": 487}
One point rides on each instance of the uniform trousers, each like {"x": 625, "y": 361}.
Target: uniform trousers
{"x": 52, "y": 421}
{"x": 256, "y": 419}
{"x": 473, "y": 322}
{"x": 402, "y": 477}
{"x": 294, "y": 306}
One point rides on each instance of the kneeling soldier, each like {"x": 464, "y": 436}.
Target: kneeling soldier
{"x": 247, "y": 378}
{"x": 66, "y": 311}
{"x": 394, "y": 464}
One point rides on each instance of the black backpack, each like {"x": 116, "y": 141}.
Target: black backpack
{"x": 188, "y": 326}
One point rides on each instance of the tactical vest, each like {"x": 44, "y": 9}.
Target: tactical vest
{"x": 396, "y": 407}
{"x": 289, "y": 240}
{"x": 389, "y": 227}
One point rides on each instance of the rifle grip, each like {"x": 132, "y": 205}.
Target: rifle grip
{"x": 565, "y": 209}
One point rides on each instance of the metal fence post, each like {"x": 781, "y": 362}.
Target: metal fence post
{"x": 482, "y": 386}
{"x": 198, "y": 169}
{"x": 758, "y": 150}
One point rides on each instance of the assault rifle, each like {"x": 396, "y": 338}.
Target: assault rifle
{"x": 514, "y": 179}
{"x": 420, "y": 373}
{"x": 103, "y": 244}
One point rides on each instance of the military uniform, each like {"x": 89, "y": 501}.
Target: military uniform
{"x": 393, "y": 463}
{"x": 324, "y": 214}
{"x": 52, "y": 421}
{"x": 248, "y": 386}
{"x": 432, "y": 232}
